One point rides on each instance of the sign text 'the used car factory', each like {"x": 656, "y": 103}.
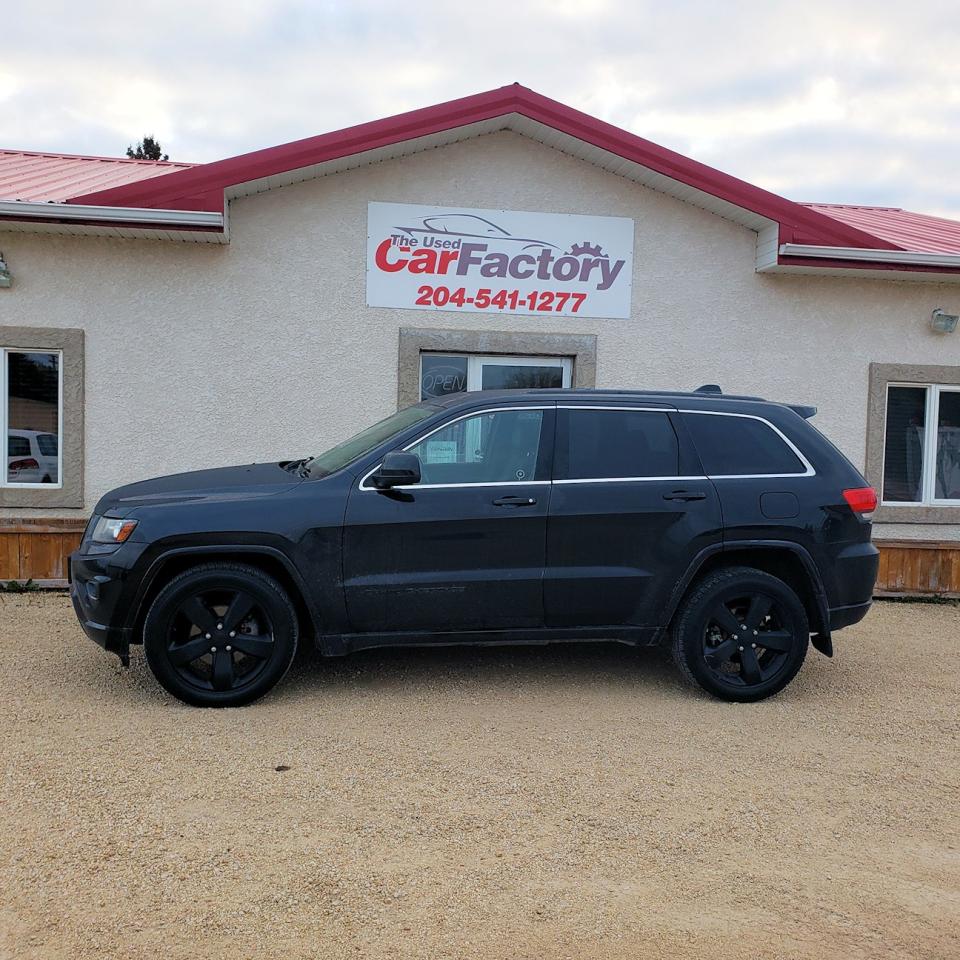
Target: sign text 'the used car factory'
{"x": 498, "y": 261}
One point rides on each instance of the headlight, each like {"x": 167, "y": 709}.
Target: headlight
{"x": 112, "y": 530}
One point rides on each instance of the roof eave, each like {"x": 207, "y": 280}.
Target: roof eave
{"x": 143, "y": 222}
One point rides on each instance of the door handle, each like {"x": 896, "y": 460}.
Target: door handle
{"x": 514, "y": 502}
{"x": 684, "y": 495}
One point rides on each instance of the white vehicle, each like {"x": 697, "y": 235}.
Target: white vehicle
{"x": 32, "y": 457}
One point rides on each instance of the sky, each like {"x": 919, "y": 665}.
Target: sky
{"x": 843, "y": 101}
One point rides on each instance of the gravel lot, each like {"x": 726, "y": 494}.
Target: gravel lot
{"x": 570, "y": 801}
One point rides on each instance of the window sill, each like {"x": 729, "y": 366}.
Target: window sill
{"x": 920, "y": 513}
{"x": 41, "y": 496}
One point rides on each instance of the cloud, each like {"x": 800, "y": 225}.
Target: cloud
{"x": 821, "y": 101}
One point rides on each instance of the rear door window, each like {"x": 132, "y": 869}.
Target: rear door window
{"x": 596, "y": 444}
{"x": 737, "y": 446}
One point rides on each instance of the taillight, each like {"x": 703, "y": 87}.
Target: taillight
{"x": 30, "y": 464}
{"x": 862, "y": 500}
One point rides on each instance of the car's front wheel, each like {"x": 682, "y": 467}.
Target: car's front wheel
{"x": 220, "y": 635}
{"x": 741, "y": 634}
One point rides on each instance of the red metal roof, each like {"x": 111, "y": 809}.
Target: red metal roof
{"x": 58, "y": 177}
{"x": 201, "y": 187}
{"x": 917, "y": 232}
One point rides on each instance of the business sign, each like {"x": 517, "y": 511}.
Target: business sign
{"x": 498, "y": 261}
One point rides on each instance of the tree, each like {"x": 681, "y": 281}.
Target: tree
{"x": 147, "y": 149}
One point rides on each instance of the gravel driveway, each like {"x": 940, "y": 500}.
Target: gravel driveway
{"x": 568, "y": 801}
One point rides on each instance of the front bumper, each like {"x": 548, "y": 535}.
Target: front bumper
{"x": 98, "y": 591}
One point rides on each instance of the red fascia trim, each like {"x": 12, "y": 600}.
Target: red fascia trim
{"x": 202, "y": 187}
{"x": 862, "y": 265}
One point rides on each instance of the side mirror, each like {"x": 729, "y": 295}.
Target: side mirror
{"x": 398, "y": 469}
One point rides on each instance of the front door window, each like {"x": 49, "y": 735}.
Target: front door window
{"x": 493, "y": 447}
{"x": 443, "y": 374}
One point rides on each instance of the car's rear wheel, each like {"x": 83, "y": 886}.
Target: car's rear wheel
{"x": 741, "y": 634}
{"x": 220, "y": 635}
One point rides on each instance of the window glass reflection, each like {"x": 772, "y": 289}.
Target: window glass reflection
{"x": 33, "y": 417}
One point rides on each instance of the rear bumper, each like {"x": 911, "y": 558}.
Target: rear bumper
{"x": 853, "y": 577}
{"x": 841, "y": 617}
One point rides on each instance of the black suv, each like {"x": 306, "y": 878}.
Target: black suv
{"x": 725, "y": 526}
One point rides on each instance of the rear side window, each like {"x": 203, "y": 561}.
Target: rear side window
{"x": 47, "y": 443}
{"x": 738, "y": 446}
{"x": 615, "y": 444}
{"x": 18, "y": 447}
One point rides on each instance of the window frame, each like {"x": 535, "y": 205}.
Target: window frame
{"x": 928, "y": 474}
{"x": 5, "y": 415}
{"x": 581, "y": 349}
{"x": 911, "y": 375}
{"x": 475, "y": 362}
{"x": 67, "y": 493}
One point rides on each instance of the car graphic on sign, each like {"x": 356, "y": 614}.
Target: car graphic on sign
{"x": 470, "y": 225}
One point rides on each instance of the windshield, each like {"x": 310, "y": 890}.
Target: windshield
{"x": 343, "y": 453}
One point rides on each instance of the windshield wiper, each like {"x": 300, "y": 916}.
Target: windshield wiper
{"x": 296, "y": 466}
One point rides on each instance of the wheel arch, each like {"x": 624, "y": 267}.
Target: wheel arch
{"x": 783, "y": 559}
{"x": 267, "y": 559}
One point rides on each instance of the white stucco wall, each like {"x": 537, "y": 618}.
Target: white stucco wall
{"x": 264, "y": 348}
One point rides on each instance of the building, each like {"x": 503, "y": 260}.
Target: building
{"x": 159, "y": 317}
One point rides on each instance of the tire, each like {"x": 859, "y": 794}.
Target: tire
{"x": 740, "y": 634}
{"x": 246, "y": 618}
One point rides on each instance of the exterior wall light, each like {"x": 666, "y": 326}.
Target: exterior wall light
{"x": 5, "y": 278}
{"x": 940, "y": 321}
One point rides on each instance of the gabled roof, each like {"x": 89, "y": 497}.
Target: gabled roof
{"x": 203, "y": 187}
{"x": 188, "y": 202}
{"x": 57, "y": 177}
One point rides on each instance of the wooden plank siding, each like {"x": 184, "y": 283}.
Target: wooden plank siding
{"x": 37, "y": 550}
{"x": 919, "y": 568}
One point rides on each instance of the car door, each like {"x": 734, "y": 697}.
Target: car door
{"x": 630, "y": 510}
{"x": 464, "y": 549}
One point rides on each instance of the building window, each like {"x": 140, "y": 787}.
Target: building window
{"x": 31, "y": 386}
{"x": 921, "y": 452}
{"x": 443, "y": 374}
{"x": 433, "y": 362}
{"x": 41, "y": 417}
{"x": 913, "y": 442}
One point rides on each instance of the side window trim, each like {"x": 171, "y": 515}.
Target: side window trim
{"x": 808, "y": 470}
{"x": 447, "y": 423}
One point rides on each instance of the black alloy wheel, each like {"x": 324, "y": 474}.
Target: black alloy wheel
{"x": 220, "y": 635}
{"x": 744, "y": 641}
{"x": 220, "y": 639}
{"x": 741, "y": 634}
